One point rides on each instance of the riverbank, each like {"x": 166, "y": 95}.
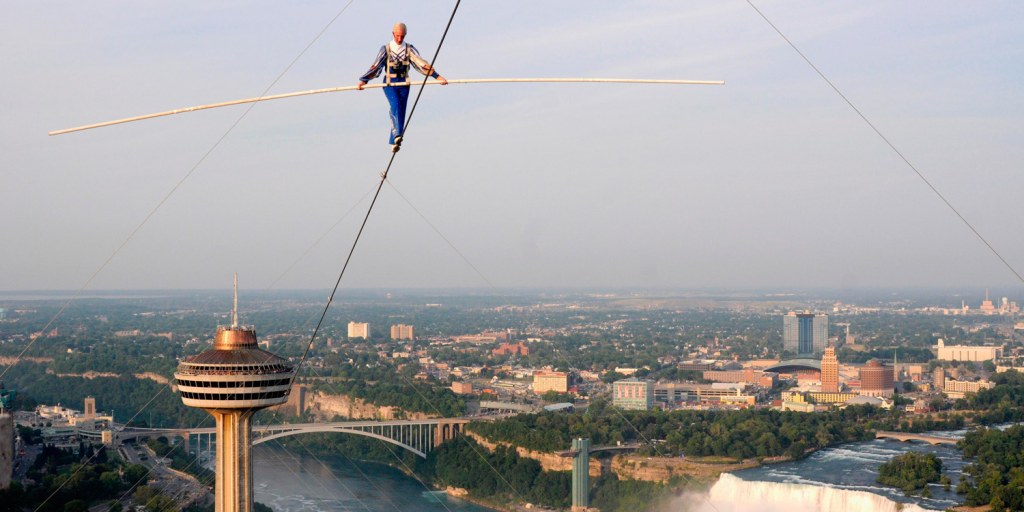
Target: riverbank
{"x": 464, "y": 495}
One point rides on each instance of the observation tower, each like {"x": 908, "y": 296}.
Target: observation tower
{"x": 232, "y": 381}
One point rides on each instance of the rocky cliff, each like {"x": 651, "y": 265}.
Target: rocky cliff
{"x": 326, "y": 406}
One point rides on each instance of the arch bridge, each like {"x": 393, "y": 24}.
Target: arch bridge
{"x": 906, "y": 436}
{"x": 417, "y": 436}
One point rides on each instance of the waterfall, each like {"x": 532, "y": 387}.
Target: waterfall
{"x": 733, "y": 494}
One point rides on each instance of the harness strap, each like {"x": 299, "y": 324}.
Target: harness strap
{"x": 401, "y": 69}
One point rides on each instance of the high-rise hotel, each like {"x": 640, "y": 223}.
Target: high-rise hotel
{"x": 804, "y": 333}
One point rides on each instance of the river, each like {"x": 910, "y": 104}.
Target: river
{"x": 289, "y": 481}
{"x": 839, "y": 479}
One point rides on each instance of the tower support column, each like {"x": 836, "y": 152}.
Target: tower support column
{"x": 581, "y": 474}
{"x": 234, "y": 492}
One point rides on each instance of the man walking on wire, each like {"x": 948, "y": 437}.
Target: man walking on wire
{"x": 394, "y": 59}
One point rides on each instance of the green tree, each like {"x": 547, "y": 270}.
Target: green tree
{"x": 76, "y": 506}
{"x": 135, "y": 473}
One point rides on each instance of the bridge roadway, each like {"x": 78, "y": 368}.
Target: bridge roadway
{"x": 611, "y": 448}
{"x": 417, "y": 436}
{"x": 906, "y": 436}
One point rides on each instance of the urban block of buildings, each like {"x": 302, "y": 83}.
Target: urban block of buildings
{"x": 671, "y": 394}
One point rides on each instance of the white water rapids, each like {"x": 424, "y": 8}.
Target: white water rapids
{"x": 733, "y": 494}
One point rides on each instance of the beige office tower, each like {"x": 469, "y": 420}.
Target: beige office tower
{"x": 830, "y": 371}
{"x": 359, "y": 330}
{"x": 544, "y": 381}
{"x": 939, "y": 378}
{"x": 401, "y": 332}
{"x": 231, "y": 382}
{"x": 90, "y": 407}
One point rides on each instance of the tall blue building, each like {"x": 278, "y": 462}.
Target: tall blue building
{"x": 804, "y": 334}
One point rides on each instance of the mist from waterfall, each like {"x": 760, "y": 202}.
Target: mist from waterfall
{"x": 733, "y": 494}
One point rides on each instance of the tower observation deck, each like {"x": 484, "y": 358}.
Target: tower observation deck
{"x": 232, "y": 381}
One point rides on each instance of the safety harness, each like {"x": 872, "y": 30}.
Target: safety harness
{"x": 396, "y": 66}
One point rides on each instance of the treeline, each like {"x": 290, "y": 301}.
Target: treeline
{"x": 903, "y": 354}
{"x": 996, "y": 477}
{"x": 501, "y": 476}
{"x": 386, "y": 386}
{"x": 944, "y": 421}
{"x": 160, "y": 407}
{"x": 125, "y": 396}
{"x": 63, "y": 482}
{"x": 613, "y": 495}
{"x": 124, "y": 356}
{"x": 737, "y": 434}
{"x": 1001, "y": 404}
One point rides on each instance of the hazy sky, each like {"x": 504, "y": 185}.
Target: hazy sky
{"x": 770, "y": 180}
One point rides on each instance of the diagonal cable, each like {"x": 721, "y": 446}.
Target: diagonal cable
{"x": 440, "y": 234}
{"x": 318, "y": 240}
{"x": 890, "y": 144}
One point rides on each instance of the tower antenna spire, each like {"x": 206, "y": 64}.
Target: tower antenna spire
{"x": 234, "y": 309}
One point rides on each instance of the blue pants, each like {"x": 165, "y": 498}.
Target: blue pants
{"x": 398, "y": 98}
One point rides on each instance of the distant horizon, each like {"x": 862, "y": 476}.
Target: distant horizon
{"x": 823, "y": 292}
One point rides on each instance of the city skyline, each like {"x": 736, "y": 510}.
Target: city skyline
{"x": 716, "y": 373}
{"x": 596, "y": 200}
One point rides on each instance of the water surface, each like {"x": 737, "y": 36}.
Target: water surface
{"x": 290, "y": 481}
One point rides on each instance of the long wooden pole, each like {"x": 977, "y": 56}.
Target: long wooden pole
{"x": 376, "y": 86}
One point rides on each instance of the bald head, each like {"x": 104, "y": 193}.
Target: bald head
{"x": 399, "y": 32}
